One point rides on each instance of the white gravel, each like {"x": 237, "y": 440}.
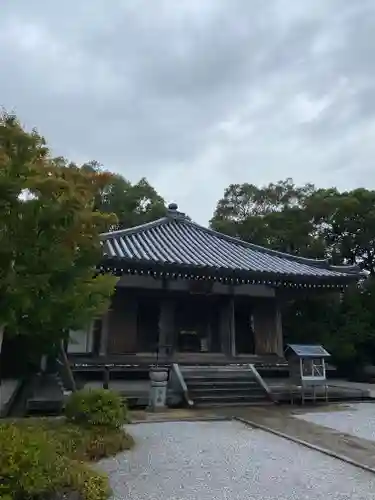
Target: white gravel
{"x": 356, "y": 419}
{"x": 228, "y": 460}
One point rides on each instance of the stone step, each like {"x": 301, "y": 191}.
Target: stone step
{"x": 221, "y": 382}
{"x": 220, "y": 395}
{"x": 220, "y": 374}
{"x": 215, "y": 369}
{"x": 228, "y": 398}
{"x": 226, "y": 404}
{"x": 223, "y": 385}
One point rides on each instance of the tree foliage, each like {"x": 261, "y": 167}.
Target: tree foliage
{"x": 318, "y": 223}
{"x": 49, "y": 238}
{"x": 274, "y": 216}
{"x": 347, "y": 223}
{"x": 133, "y": 204}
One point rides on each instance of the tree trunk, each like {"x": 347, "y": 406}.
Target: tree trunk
{"x": 67, "y": 367}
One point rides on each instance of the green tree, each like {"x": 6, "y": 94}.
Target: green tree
{"x": 274, "y": 216}
{"x": 319, "y": 223}
{"x": 49, "y": 240}
{"x": 347, "y": 222}
{"x": 133, "y": 204}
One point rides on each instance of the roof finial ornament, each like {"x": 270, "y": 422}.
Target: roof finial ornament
{"x": 174, "y": 213}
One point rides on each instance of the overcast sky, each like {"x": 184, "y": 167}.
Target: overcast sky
{"x": 198, "y": 94}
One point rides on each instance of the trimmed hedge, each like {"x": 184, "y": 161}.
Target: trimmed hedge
{"x": 96, "y": 407}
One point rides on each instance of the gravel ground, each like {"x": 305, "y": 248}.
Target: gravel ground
{"x": 228, "y": 460}
{"x": 356, "y": 419}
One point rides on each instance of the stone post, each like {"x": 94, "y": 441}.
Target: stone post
{"x": 158, "y": 388}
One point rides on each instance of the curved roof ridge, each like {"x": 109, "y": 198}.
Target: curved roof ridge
{"x": 348, "y": 268}
{"x": 135, "y": 229}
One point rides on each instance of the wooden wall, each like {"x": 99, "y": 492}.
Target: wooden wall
{"x": 119, "y": 334}
{"x": 122, "y": 324}
{"x": 267, "y": 327}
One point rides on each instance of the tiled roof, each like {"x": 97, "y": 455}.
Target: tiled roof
{"x": 176, "y": 241}
{"x": 307, "y": 351}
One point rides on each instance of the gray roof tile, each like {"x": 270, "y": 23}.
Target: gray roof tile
{"x": 175, "y": 240}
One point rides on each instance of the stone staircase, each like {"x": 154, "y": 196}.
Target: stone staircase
{"x": 46, "y": 395}
{"x": 227, "y": 385}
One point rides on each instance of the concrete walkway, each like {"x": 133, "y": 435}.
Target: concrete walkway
{"x": 356, "y": 420}
{"x": 7, "y": 388}
{"x": 368, "y": 389}
{"x": 228, "y": 461}
{"x": 283, "y": 419}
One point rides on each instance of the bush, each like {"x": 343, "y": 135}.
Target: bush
{"x": 89, "y": 443}
{"x": 89, "y": 484}
{"x": 29, "y": 465}
{"x": 96, "y": 407}
{"x": 42, "y": 458}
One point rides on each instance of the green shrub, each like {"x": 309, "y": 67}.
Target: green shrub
{"x": 97, "y": 444}
{"x": 29, "y": 465}
{"x": 96, "y": 407}
{"x": 90, "y": 484}
{"x": 89, "y": 443}
{"x": 33, "y": 467}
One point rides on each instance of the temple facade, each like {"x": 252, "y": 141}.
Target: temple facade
{"x": 197, "y": 296}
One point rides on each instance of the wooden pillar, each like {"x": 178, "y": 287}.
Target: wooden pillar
{"x": 104, "y": 334}
{"x": 166, "y": 327}
{"x": 232, "y": 327}
{"x": 279, "y": 331}
{"x": 226, "y": 328}
{"x": 267, "y": 327}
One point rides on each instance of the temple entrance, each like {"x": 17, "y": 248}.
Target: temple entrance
{"x": 196, "y": 324}
{"x": 244, "y": 334}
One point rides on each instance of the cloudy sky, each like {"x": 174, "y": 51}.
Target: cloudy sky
{"x": 197, "y": 94}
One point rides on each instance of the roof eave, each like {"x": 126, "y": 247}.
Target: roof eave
{"x": 130, "y": 265}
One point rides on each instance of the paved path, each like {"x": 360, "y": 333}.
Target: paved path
{"x": 283, "y": 419}
{"x": 228, "y": 461}
{"x": 355, "y": 419}
{"x": 368, "y": 389}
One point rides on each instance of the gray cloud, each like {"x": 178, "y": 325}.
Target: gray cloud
{"x": 195, "y": 95}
